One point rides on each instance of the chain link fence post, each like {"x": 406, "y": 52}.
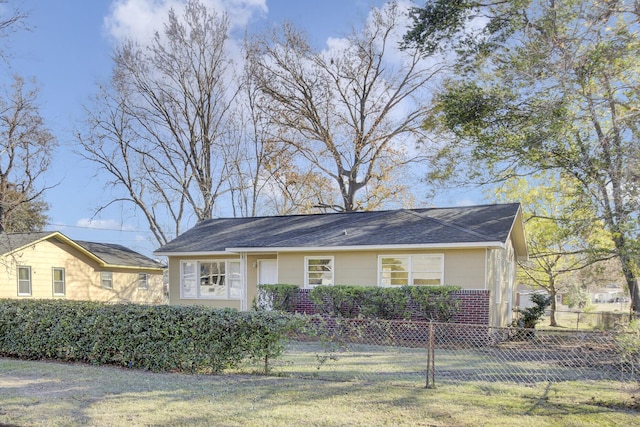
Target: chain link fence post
{"x": 431, "y": 370}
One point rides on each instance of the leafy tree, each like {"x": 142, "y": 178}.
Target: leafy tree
{"x": 26, "y": 146}
{"x": 352, "y": 113}
{"x": 545, "y": 85}
{"x": 562, "y": 238}
{"x": 593, "y": 279}
{"x": 26, "y": 217}
{"x": 25, "y": 143}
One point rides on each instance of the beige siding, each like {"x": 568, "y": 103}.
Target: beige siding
{"x": 467, "y": 268}
{"x": 464, "y": 268}
{"x": 291, "y": 268}
{"x": 82, "y": 276}
{"x": 501, "y": 274}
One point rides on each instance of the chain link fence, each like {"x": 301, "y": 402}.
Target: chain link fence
{"x": 581, "y": 320}
{"x": 426, "y": 353}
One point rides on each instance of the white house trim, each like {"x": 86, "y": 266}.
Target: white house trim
{"x": 431, "y": 246}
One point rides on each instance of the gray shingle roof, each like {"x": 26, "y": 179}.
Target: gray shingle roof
{"x": 111, "y": 254}
{"x": 12, "y": 241}
{"x": 118, "y": 255}
{"x": 430, "y": 226}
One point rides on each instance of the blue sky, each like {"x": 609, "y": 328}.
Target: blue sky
{"x": 68, "y": 52}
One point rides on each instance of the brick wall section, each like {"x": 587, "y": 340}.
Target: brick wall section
{"x": 474, "y": 306}
{"x": 303, "y": 302}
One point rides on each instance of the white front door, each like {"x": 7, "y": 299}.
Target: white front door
{"x": 267, "y": 272}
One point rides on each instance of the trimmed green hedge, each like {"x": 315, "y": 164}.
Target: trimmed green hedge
{"x": 423, "y": 302}
{"x": 157, "y": 338}
{"x": 279, "y": 297}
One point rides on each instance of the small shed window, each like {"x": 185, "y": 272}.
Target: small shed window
{"x": 24, "y": 281}
{"x": 106, "y": 277}
{"x": 58, "y": 281}
{"x": 143, "y": 281}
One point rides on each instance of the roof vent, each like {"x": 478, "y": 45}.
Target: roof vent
{"x": 344, "y": 232}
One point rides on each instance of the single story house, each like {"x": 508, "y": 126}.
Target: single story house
{"x": 51, "y": 265}
{"x": 220, "y": 262}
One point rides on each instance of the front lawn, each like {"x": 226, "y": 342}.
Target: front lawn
{"x": 57, "y": 394}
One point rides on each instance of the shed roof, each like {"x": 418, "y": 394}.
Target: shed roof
{"x": 107, "y": 254}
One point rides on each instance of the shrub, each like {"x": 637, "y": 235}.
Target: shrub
{"x": 338, "y": 301}
{"x": 424, "y": 302}
{"x": 436, "y": 303}
{"x": 529, "y": 317}
{"x": 629, "y": 344}
{"x": 385, "y": 303}
{"x": 157, "y": 338}
{"x": 279, "y": 297}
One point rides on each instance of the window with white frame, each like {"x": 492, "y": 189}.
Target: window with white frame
{"x": 58, "y": 278}
{"x": 106, "y": 279}
{"x": 212, "y": 279}
{"x": 234, "y": 279}
{"x": 415, "y": 269}
{"x": 318, "y": 271}
{"x": 24, "y": 280}
{"x": 143, "y": 281}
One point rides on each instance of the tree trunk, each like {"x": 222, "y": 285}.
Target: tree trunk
{"x": 627, "y": 263}
{"x": 552, "y": 314}
{"x": 632, "y": 283}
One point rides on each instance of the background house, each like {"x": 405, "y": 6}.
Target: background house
{"x": 50, "y": 265}
{"x": 220, "y": 262}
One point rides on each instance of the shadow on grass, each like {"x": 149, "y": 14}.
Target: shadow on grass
{"x": 52, "y": 393}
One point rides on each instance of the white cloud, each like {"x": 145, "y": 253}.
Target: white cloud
{"x": 141, "y": 19}
{"x": 104, "y": 224}
{"x": 141, "y": 238}
{"x": 337, "y": 45}
{"x": 466, "y": 202}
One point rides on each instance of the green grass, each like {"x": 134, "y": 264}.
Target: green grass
{"x": 56, "y": 394}
{"x": 393, "y": 366}
{"x": 589, "y": 319}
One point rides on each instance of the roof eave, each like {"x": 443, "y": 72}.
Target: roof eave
{"x": 132, "y": 267}
{"x": 82, "y": 249}
{"x": 431, "y": 246}
{"x": 63, "y": 238}
{"x": 190, "y": 253}
{"x": 33, "y": 242}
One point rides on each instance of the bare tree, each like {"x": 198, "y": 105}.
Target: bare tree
{"x": 11, "y": 20}
{"x": 161, "y": 128}
{"x": 295, "y": 189}
{"x": 25, "y": 152}
{"x": 252, "y": 154}
{"x": 265, "y": 177}
{"x": 352, "y": 113}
